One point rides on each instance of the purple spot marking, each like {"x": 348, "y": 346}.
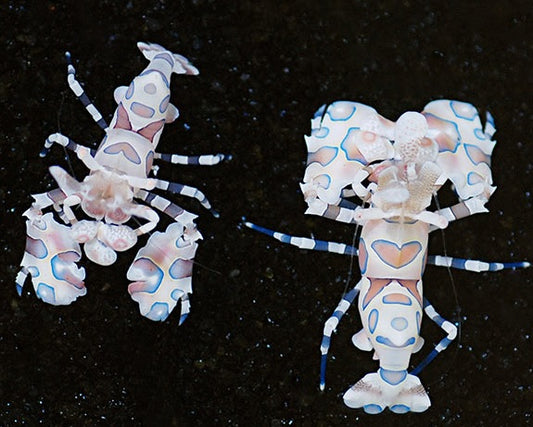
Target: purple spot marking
{"x": 176, "y": 294}
{"x": 164, "y": 104}
{"x": 165, "y": 56}
{"x": 150, "y": 88}
{"x": 142, "y": 110}
{"x": 126, "y": 149}
{"x": 129, "y": 92}
{"x": 36, "y": 247}
{"x": 149, "y": 162}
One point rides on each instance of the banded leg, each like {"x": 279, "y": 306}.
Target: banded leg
{"x": 66, "y": 142}
{"x": 474, "y": 265}
{"x": 306, "y": 242}
{"x": 337, "y": 213}
{"x": 463, "y": 209}
{"x": 81, "y": 95}
{"x": 174, "y": 211}
{"x": 186, "y": 190}
{"x": 446, "y": 326}
{"x": 177, "y": 159}
{"x": 330, "y": 326}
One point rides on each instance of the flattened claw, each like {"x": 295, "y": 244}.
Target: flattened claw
{"x": 162, "y": 272}
{"x": 50, "y": 258}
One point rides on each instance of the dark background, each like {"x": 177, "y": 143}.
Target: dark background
{"x": 249, "y": 351}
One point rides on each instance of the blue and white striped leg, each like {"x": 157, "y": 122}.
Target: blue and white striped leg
{"x": 306, "y": 242}
{"x": 446, "y": 326}
{"x": 65, "y": 141}
{"x": 330, "y": 326}
{"x": 474, "y": 265}
{"x": 203, "y": 160}
{"x": 81, "y": 95}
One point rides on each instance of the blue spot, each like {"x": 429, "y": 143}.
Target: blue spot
{"x": 392, "y": 377}
{"x": 341, "y": 110}
{"x": 418, "y": 321}
{"x": 400, "y": 409}
{"x": 372, "y": 408}
{"x": 46, "y": 293}
{"x": 474, "y": 178}
{"x": 323, "y": 180}
{"x": 399, "y": 323}
{"x": 34, "y": 271}
{"x": 348, "y": 144}
{"x": 479, "y": 134}
{"x": 463, "y": 110}
{"x": 61, "y": 268}
{"x": 397, "y": 299}
{"x": 180, "y": 269}
{"x": 321, "y": 132}
{"x": 373, "y": 320}
{"x": 158, "y": 312}
{"x": 176, "y": 294}
{"x": 443, "y": 149}
{"x": 386, "y": 341}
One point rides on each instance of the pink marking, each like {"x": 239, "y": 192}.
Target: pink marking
{"x": 393, "y": 255}
{"x": 149, "y": 162}
{"x": 410, "y": 285}
{"x": 150, "y": 88}
{"x": 126, "y": 149}
{"x": 123, "y": 121}
{"x": 475, "y": 155}
{"x": 118, "y": 216}
{"x": 369, "y": 136}
{"x": 70, "y": 256}
{"x": 350, "y": 147}
{"x": 180, "y": 269}
{"x": 36, "y": 247}
{"x": 363, "y": 256}
{"x": 142, "y": 110}
{"x": 150, "y": 130}
{"x": 324, "y": 156}
{"x": 397, "y": 299}
{"x": 164, "y": 104}
{"x": 376, "y": 286}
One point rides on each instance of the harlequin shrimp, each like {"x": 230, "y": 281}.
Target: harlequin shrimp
{"x": 395, "y": 168}
{"x": 119, "y": 173}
